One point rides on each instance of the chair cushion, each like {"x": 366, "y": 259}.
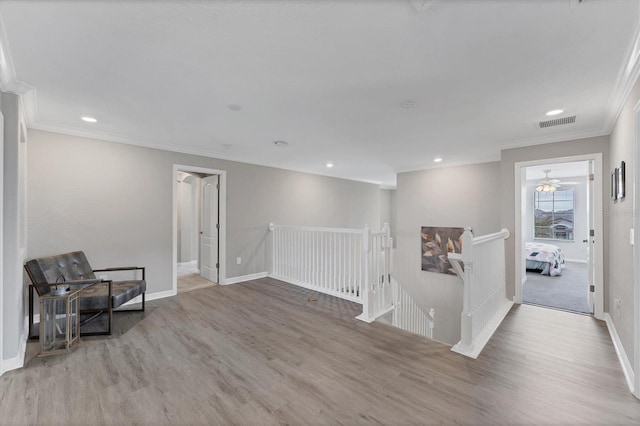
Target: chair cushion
{"x": 95, "y": 296}
{"x": 59, "y": 268}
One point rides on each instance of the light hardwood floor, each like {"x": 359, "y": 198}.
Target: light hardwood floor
{"x": 190, "y": 282}
{"x": 262, "y": 352}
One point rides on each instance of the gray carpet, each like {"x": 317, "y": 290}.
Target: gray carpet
{"x": 567, "y": 291}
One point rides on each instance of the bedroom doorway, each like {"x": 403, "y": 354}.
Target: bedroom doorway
{"x": 557, "y": 239}
{"x": 199, "y": 228}
{"x": 558, "y": 252}
{"x": 198, "y": 198}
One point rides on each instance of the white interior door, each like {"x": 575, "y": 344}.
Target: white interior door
{"x": 209, "y": 229}
{"x": 591, "y": 269}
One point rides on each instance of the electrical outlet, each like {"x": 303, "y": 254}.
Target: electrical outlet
{"x": 238, "y": 260}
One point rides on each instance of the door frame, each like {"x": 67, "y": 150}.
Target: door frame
{"x": 520, "y": 181}
{"x": 636, "y": 254}
{"x": 222, "y": 246}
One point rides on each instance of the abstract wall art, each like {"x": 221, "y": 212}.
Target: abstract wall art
{"x": 436, "y": 242}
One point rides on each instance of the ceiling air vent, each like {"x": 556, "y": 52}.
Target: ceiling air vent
{"x": 557, "y": 122}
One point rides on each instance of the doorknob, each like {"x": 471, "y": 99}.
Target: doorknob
{"x": 584, "y": 241}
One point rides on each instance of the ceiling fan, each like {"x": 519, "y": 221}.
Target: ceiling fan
{"x": 550, "y": 185}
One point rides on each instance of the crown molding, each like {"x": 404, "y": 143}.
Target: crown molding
{"x": 627, "y": 77}
{"x": 202, "y": 152}
{"x": 559, "y": 137}
{"x": 490, "y": 158}
{"x": 9, "y": 82}
{"x": 152, "y": 144}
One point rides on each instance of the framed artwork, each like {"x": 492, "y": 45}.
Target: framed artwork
{"x": 614, "y": 184}
{"x": 436, "y": 242}
{"x": 620, "y": 181}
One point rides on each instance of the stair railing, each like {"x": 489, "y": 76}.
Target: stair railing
{"x": 353, "y": 264}
{"x": 481, "y": 267}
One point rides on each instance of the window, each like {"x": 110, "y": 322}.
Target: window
{"x": 553, "y": 215}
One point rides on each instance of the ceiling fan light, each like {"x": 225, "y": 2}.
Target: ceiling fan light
{"x": 546, "y": 187}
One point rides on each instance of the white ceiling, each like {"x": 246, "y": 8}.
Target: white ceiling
{"x": 329, "y": 77}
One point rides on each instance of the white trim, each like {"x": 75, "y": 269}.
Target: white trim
{"x": 149, "y": 297}
{"x": 18, "y": 360}
{"x": 8, "y": 81}
{"x": 622, "y": 355}
{"x": 185, "y": 268}
{"x": 636, "y": 253}
{"x": 485, "y": 335}
{"x": 138, "y": 299}
{"x": 243, "y": 278}
{"x": 2, "y": 301}
{"x": 222, "y": 249}
{"x": 576, "y": 260}
{"x": 377, "y": 315}
{"x": 553, "y": 138}
{"x": 627, "y": 77}
{"x": 519, "y": 169}
{"x": 209, "y": 153}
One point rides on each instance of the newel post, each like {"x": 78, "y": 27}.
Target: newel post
{"x": 366, "y": 248}
{"x": 387, "y": 253}
{"x": 466, "y": 332}
{"x": 272, "y": 227}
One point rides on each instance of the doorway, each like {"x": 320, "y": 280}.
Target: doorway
{"x": 199, "y": 227}
{"x": 558, "y": 218}
{"x": 578, "y": 234}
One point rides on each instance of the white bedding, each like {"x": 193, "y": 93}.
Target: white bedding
{"x": 547, "y": 258}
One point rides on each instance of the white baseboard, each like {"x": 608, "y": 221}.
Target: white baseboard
{"x": 18, "y": 360}
{"x": 576, "y": 260}
{"x": 485, "y": 335}
{"x": 151, "y": 296}
{"x": 138, "y": 299}
{"x": 243, "y": 278}
{"x": 622, "y": 355}
{"x": 185, "y": 268}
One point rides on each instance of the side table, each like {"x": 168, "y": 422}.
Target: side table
{"x": 59, "y": 322}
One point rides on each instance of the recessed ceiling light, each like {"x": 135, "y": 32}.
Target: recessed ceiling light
{"x": 555, "y": 112}
{"x": 437, "y": 160}
{"x": 88, "y": 119}
{"x": 281, "y": 144}
{"x": 329, "y": 165}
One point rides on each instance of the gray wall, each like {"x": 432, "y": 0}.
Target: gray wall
{"x": 115, "y": 202}
{"x": 455, "y": 197}
{"x": 507, "y": 191}
{"x": 619, "y": 216}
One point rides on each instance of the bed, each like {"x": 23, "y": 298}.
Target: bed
{"x": 546, "y": 258}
